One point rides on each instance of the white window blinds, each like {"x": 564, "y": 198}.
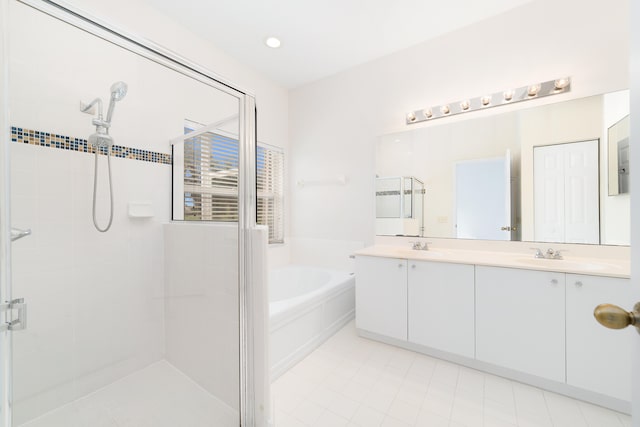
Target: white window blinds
{"x": 270, "y": 179}
{"x": 211, "y": 178}
{"x": 211, "y": 182}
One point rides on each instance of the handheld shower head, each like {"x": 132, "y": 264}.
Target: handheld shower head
{"x": 118, "y": 91}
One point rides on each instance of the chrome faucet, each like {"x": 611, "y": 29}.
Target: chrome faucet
{"x": 550, "y": 254}
{"x": 419, "y": 246}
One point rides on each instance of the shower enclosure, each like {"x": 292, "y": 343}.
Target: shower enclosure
{"x": 152, "y": 322}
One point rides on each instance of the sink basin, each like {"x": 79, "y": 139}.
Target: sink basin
{"x": 563, "y": 264}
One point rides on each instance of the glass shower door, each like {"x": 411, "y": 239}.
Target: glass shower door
{"x": 143, "y": 324}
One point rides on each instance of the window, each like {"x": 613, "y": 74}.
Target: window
{"x": 270, "y": 181}
{"x": 210, "y": 180}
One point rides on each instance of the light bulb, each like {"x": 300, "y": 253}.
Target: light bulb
{"x": 411, "y": 117}
{"x": 465, "y": 105}
{"x": 485, "y": 100}
{"x": 533, "y": 90}
{"x": 562, "y": 83}
{"x": 508, "y": 95}
{"x": 445, "y": 109}
{"x": 428, "y": 113}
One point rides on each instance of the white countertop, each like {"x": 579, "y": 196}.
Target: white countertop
{"x": 576, "y": 265}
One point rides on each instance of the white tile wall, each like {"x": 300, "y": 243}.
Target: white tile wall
{"x": 352, "y": 381}
{"x": 95, "y": 299}
{"x": 202, "y": 328}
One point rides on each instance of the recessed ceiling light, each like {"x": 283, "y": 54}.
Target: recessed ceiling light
{"x": 273, "y": 42}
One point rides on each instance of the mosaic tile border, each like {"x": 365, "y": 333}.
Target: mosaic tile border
{"x": 62, "y": 142}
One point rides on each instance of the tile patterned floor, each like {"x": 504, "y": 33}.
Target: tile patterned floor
{"x": 156, "y": 396}
{"x": 351, "y": 381}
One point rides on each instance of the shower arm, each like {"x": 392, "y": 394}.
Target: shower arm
{"x": 87, "y": 108}
{"x": 98, "y": 121}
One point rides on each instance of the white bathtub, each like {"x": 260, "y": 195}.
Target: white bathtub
{"x": 306, "y": 305}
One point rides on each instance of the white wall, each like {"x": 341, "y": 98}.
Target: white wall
{"x": 334, "y": 122}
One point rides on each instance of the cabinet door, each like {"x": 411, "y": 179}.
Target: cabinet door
{"x": 381, "y": 296}
{"x": 441, "y": 306}
{"x": 598, "y": 359}
{"x": 520, "y": 320}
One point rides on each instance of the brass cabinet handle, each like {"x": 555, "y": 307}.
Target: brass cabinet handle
{"x": 614, "y": 317}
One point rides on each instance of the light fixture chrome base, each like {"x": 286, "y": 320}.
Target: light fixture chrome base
{"x": 509, "y": 96}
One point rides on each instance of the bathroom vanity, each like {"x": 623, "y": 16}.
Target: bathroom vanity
{"x": 509, "y": 314}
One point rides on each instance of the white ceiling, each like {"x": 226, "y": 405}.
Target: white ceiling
{"x": 324, "y": 37}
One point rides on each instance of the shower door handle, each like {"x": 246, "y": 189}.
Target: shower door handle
{"x": 14, "y": 324}
{"x": 17, "y": 234}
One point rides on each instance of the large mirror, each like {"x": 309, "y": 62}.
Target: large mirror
{"x": 542, "y": 174}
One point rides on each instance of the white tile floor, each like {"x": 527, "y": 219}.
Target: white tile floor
{"x": 352, "y": 381}
{"x": 156, "y": 396}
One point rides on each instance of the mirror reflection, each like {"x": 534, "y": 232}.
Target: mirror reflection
{"x": 399, "y": 206}
{"x": 551, "y": 173}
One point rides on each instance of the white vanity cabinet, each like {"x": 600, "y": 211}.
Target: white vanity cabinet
{"x": 520, "y": 320}
{"x": 598, "y": 359}
{"x": 381, "y": 296}
{"x": 531, "y": 325}
{"x": 441, "y": 306}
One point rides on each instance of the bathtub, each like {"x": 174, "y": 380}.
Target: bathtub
{"x": 307, "y": 305}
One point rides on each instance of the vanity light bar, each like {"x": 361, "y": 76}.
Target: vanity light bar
{"x": 509, "y": 96}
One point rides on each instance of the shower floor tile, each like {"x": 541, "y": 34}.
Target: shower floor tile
{"x": 352, "y": 381}
{"x": 156, "y": 396}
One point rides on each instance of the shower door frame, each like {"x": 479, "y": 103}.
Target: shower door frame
{"x": 247, "y": 199}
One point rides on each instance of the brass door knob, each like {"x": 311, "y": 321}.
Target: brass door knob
{"x": 614, "y": 317}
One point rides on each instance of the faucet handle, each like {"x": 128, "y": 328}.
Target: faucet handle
{"x": 425, "y": 246}
{"x": 558, "y": 253}
{"x": 538, "y": 253}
